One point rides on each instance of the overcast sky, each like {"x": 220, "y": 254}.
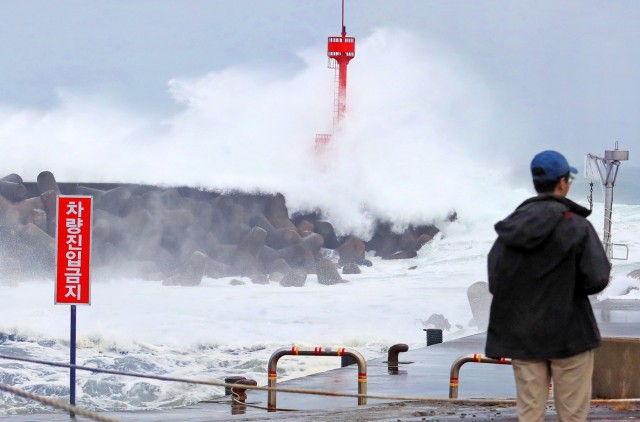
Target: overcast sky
{"x": 559, "y": 74}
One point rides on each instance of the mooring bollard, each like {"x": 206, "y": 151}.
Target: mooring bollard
{"x": 434, "y": 336}
{"x": 231, "y": 380}
{"x": 393, "y": 362}
{"x": 239, "y": 393}
{"x": 394, "y": 351}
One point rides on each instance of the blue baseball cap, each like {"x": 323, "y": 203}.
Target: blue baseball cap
{"x": 548, "y": 166}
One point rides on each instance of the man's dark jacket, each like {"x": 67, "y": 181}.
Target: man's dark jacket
{"x": 546, "y": 261}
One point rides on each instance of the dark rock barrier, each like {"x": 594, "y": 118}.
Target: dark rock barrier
{"x": 181, "y": 234}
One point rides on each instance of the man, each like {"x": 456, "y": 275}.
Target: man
{"x": 545, "y": 263}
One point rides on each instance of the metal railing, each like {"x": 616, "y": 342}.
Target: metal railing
{"x": 316, "y": 351}
{"x": 457, "y": 364}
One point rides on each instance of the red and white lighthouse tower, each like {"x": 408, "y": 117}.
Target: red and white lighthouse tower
{"x": 340, "y": 50}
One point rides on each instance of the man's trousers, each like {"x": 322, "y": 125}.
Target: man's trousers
{"x": 571, "y": 386}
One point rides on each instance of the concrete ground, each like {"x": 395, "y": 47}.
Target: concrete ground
{"x": 407, "y": 411}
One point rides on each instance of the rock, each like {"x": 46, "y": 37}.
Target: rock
{"x": 329, "y": 254}
{"x": 385, "y": 242}
{"x": 413, "y": 267}
{"x": 191, "y": 273}
{"x": 144, "y": 234}
{"x": 108, "y": 228}
{"x": 13, "y": 178}
{"x": 277, "y": 213}
{"x": 305, "y": 226}
{"x": 237, "y": 214}
{"x": 351, "y": 268}
{"x": 294, "y": 255}
{"x": 327, "y": 272}
{"x": 266, "y": 256}
{"x": 224, "y": 253}
{"x": 35, "y": 237}
{"x": 245, "y": 264}
{"x": 281, "y": 238}
{"x": 351, "y": 250}
{"x": 279, "y": 265}
{"x": 325, "y": 229}
{"x": 253, "y": 241}
{"x": 203, "y": 218}
{"x": 423, "y": 239}
{"x": 634, "y": 274}
{"x": 24, "y": 209}
{"x": 259, "y": 278}
{"x": 408, "y": 241}
{"x": 116, "y": 201}
{"x": 215, "y": 269}
{"x": 309, "y": 262}
{"x": 39, "y": 218}
{"x": 171, "y": 199}
{"x": 276, "y": 276}
{"x": 5, "y": 205}
{"x": 224, "y": 206}
{"x": 83, "y": 190}
{"x": 437, "y": 321}
{"x": 180, "y": 234}
{"x": 313, "y": 242}
{"x": 294, "y": 278}
{"x": 365, "y": 262}
{"x": 49, "y": 203}
{"x": 14, "y": 192}
{"x": 46, "y": 182}
{"x": 402, "y": 255}
{"x": 261, "y": 221}
{"x": 152, "y": 201}
{"x": 236, "y": 282}
{"x": 233, "y": 233}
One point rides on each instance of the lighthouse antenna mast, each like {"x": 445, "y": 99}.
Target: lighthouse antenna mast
{"x": 344, "y": 28}
{"x": 340, "y": 50}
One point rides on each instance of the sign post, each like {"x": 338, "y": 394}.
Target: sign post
{"x": 73, "y": 258}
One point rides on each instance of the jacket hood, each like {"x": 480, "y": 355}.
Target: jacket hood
{"x": 535, "y": 219}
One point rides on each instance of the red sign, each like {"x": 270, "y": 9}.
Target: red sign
{"x": 73, "y": 252}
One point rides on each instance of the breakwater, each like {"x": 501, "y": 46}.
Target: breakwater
{"x": 181, "y": 234}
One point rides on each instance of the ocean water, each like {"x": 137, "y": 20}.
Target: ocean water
{"x": 217, "y": 330}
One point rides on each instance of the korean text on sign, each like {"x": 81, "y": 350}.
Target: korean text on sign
{"x": 73, "y": 238}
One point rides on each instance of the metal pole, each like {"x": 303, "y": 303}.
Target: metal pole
{"x": 457, "y": 364}
{"x": 608, "y": 206}
{"x": 272, "y": 368}
{"x": 611, "y": 171}
{"x": 72, "y": 370}
{"x": 344, "y": 30}
{"x": 608, "y": 167}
